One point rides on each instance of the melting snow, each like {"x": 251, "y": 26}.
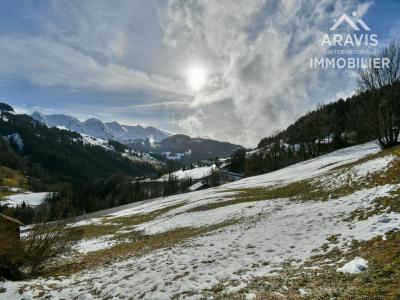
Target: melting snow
{"x": 354, "y": 266}
{"x": 16, "y": 138}
{"x": 355, "y": 173}
{"x": 86, "y": 246}
{"x": 269, "y": 234}
{"x": 196, "y": 173}
{"x": 31, "y": 199}
{"x": 310, "y": 168}
{"x": 87, "y": 139}
{"x": 373, "y": 226}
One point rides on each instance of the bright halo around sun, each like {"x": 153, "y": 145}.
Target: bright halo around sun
{"x": 196, "y": 77}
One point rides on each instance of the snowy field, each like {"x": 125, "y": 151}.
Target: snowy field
{"x": 31, "y": 199}
{"x": 196, "y": 173}
{"x": 250, "y": 238}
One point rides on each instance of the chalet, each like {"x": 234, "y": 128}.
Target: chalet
{"x": 11, "y": 247}
{"x": 198, "y": 186}
{"x": 9, "y": 228}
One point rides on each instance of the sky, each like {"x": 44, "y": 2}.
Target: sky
{"x": 230, "y": 70}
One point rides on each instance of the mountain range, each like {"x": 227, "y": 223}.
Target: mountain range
{"x": 186, "y": 149}
{"x": 177, "y": 147}
{"x": 53, "y": 154}
{"x": 107, "y": 130}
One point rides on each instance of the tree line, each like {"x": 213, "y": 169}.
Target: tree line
{"x": 373, "y": 113}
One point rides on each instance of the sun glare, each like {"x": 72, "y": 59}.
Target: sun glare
{"x": 196, "y": 78}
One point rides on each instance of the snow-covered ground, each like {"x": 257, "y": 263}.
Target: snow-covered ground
{"x": 143, "y": 157}
{"x": 196, "y": 173}
{"x": 355, "y": 173}
{"x": 90, "y": 140}
{"x": 86, "y": 246}
{"x": 132, "y": 155}
{"x": 354, "y": 266}
{"x": 31, "y": 199}
{"x": 310, "y": 168}
{"x": 264, "y": 236}
{"x": 175, "y": 156}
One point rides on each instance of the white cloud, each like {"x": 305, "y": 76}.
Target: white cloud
{"x": 395, "y": 30}
{"x": 261, "y": 51}
{"x": 256, "y": 51}
{"x": 48, "y": 63}
{"x": 192, "y": 124}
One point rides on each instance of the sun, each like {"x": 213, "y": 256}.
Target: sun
{"x": 196, "y": 77}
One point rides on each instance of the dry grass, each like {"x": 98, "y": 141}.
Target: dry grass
{"x": 306, "y": 190}
{"x": 130, "y": 243}
{"x": 382, "y": 278}
{"x": 11, "y": 178}
{"x": 111, "y": 225}
{"x": 139, "y": 244}
{"x": 380, "y": 281}
{"x": 300, "y": 190}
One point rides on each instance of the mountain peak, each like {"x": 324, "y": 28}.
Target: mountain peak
{"x": 93, "y": 120}
{"x": 104, "y": 130}
{"x": 6, "y": 107}
{"x": 38, "y": 116}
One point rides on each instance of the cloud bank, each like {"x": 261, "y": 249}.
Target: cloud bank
{"x": 260, "y": 52}
{"x": 127, "y": 60}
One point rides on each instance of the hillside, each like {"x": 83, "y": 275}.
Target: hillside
{"x": 334, "y": 125}
{"x": 327, "y": 227}
{"x": 329, "y": 127}
{"x": 65, "y": 152}
{"x": 185, "y": 149}
{"x": 74, "y": 173}
{"x": 195, "y": 173}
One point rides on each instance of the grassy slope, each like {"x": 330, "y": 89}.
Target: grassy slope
{"x": 317, "y": 278}
{"x": 12, "y": 179}
{"x": 380, "y": 281}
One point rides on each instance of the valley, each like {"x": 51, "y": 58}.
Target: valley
{"x": 202, "y": 243}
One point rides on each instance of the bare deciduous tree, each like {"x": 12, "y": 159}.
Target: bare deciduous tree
{"x": 382, "y": 109}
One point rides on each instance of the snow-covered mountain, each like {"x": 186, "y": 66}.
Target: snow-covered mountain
{"x": 185, "y": 149}
{"x": 144, "y": 139}
{"x": 107, "y": 130}
{"x": 132, "y": 155}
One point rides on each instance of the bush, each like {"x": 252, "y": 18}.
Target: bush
{"x": 45, "y": 242}
{"x": 40, "y": 246}
{"x": 11, "y": 253}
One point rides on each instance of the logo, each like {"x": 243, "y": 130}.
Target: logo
{"x": 354, "y": 49}
{"x": 346, "y": 18}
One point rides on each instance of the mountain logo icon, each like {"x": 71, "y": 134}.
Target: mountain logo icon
{"x": 349, "y": 21}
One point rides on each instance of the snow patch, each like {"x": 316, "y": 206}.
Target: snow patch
{"x": 308, "y": 169}
{"x": 356, "y": 173}
{"x": 31, "y": 199}
{"x": 377, "y": 225}
{"x": 90, "y": 140}
{"x": 16, "y": 138}
{"x": 270, "y": 233}
{"x": 196, "y": 173}
{"x": 354, "y": 266}
{"x": 86, "y": 246}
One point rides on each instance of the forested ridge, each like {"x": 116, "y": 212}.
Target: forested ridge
{"x": 82, "y": 177}
{"x": 329, "y": 127}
